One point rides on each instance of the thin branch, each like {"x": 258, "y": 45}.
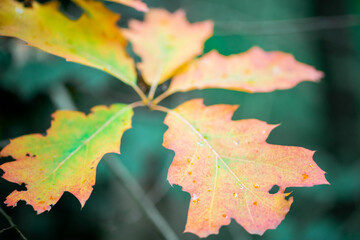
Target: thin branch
{"x": 138, "y": 194}
{"x": 6, "y": 229}
{"x": 61, "y": 98}
{"x": 155, "y": 194}
{"x": 12, "y": 225}
{"x": 287, "y": 26}
{"x": 159, "y": 189}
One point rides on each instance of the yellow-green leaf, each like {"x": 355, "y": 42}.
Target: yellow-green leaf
{"x": 228, "y": 168}
{"x": 251, "y": 71}
{"x": 165, "y": 41}
{"x": 94, "y": 39}
{"x": 66, "y": 158}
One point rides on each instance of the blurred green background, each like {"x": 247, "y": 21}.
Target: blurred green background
{"x": 324, "y": 117}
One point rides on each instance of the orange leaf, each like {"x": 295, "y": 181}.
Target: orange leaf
{"x": 228, "y": 168}
{"x": 165, "y": 41}
{"x": 93, "y": 40}
{"x": 252, "y": 71}
{"x": 66, "y": 158}
{"x": 137, "y": 4}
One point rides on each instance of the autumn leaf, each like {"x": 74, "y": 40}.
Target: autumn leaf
{"x": 165, "y": 41}
{"x": 228, "y": 168}
{"x": 93, "y": 40}
{"x": 66, "y": 158}
{"x": 137, "y": 4}
{"x": 251, "y": 71}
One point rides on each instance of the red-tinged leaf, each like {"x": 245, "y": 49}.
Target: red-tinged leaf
{"x": 165, "y": 41}
{"x": 66, "y": 158}
{"x": 252, "y": 71}
{"x": 228, "y": 168}
{"x": 93, "y": 40}
{"x": 137, "y": 4}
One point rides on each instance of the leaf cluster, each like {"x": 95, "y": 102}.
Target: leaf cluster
{"x": 226, "y": 166}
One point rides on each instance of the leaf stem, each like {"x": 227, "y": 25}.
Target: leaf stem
{"x": 137, "y": 104}
{"x": 155, "y": 84}
{"x": 12, "y": 225}
{"x": 141, "y": 94}
{"x": 161, "y": 108}
{"x": 138, "y": 194}
{"x": 162, "y": 97}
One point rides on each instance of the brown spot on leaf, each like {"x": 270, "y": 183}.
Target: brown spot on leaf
{"x": 255, "y": 203}
{"x": 305, "y": 176}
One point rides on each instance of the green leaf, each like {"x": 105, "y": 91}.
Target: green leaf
{"x": 66, "y": 158}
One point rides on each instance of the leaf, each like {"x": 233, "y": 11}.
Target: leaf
{"x": 228, "y": 168}
{"x": 165, "y": 41}
{"x": 93, "y": 39}
{"x": 137, "y": 4}
{"x": 252, "y": 71}
{"x": 66, "y": 158}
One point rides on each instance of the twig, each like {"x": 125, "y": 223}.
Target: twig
{"x": 287, "y": 26}
{"x": 61, "y": 98}
{"x": 12, "y": 225}
{"x": 155, "y": 194}
{"x": 140, "y": 197}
